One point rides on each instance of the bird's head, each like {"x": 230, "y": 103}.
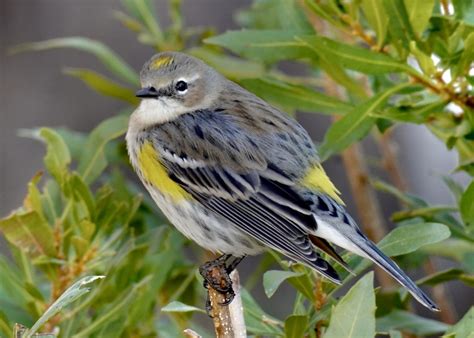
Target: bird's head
{"x": 173, "y": 84}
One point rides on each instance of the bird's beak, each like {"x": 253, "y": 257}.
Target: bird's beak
{"x": 147, "y": 92}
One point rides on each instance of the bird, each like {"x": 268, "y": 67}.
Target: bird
{"x": 237, "y": 175}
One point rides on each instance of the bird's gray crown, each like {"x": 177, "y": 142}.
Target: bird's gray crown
{"x": 171, "y": 65}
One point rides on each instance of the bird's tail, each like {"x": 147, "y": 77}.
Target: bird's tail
{"x": 378, "y": 257}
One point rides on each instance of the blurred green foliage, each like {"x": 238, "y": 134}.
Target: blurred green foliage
{"x": 84, "y": 217}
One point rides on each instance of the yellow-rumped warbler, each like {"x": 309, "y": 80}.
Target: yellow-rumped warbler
{"x": 236, "y": 175}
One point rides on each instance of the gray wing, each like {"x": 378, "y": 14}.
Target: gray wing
{"x": 230, "y": 175}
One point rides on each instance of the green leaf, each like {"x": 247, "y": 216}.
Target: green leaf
{"x": 272, "y": 280}
{"x": 291, "y": 17}
{"x": 144, "y": 11}
{"x": 256, "y": 320}
{"x": 176, "y": 306}
{"x": 93, "y": 161}
{"x": 463, "y": 9}
{"x": 117, "y": 309}
{"x": 327, "y": 10}
{"x": 416, "y": 114}
{"x": 295, "y": 326}
{"x": 354, "y": 315}
{"x": 32, "y": 201}
{"x": 424, "y": 61}
{"x": 455, "y": 188}
{"x": 466, "y": 205}
{"x": 409, "y": 238}
{"x": 463, "y": 328}
{"x": 103, "y": 85}
{"x": 57, "y": 156}
{"x": 264, "y": 45}
{"x": 75, "y": 291}
{"x": 29, "y": 232}
{"x": 399, "y": 22}
{"x": 441, "y": 277}
{"x": 375, "y": 14}
{"x": 294, "y": 97}
{"x": 405, "y": 321}
{"x": 111, "y": 60}
{"x": 230, "y": 66}
{"x": 455, "y": 249}
{"x": 352, "y": 57}
{"x": 275, "y": 14}
{"x": 77, "y": 190}
{"x": 354, "y": 125}
{"x": 419, "y": 13}
{"x": 80, "y": 245}
{"x": 75, "y": 141}
{"x": 5, "y": 326}
{"x": 409, "y": 199}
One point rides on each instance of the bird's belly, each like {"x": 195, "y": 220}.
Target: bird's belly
{"x": 205, "y": 228}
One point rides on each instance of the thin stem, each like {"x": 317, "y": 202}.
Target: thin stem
{"x": 228, "y": 319}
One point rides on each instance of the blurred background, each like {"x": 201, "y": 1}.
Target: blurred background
{"x": 35, "y": 92}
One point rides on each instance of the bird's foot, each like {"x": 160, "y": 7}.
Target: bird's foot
{"x": 216, "y": 275}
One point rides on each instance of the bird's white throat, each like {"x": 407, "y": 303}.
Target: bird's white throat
{"x": 153, "y": 111}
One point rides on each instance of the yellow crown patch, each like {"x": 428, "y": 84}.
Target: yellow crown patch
{"x": 161, "y": 62}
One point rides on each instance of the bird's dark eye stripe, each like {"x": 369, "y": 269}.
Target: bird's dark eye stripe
{"x": 181, "y": 86}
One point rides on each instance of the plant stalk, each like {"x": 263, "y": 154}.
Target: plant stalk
{"x": 228, "y": 319}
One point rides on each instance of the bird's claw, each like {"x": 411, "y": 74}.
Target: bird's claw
{"x": 216, "y": 276}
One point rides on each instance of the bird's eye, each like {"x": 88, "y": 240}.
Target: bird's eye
{"x": 181, "y": 86}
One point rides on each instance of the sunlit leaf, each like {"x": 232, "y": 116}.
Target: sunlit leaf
{"x": 408, "y": 238}
{"x": 295, "y": 326}
{"x": 93, "y": 161}
{"x": 29, "y": 232}
{"x": 424, "y": 61}
{"x": 354, "y": 125}
{"x": 415, "y": 114}
{"x": 75, "y": 291}
{"x": 230, "y": 66}
{"x": 352, "y": 57}
{"x": 419, "y": 13}
{"x": 399, "y": 22}
{"x": 103, "y": 85}
{"x": 269, "y": 46}
{"x": 272, "y": 280}
{"x": 295, "y": 97}
{"x": 375, "y": 13}
{"x": 57, "y": 156}
{"x": 354, "y": 315}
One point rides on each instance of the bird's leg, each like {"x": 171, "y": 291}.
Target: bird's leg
{"x": 216, "y": 275}
{"x": 232, "y": 265}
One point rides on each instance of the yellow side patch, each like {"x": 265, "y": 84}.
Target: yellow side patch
{"x": 317, "y": 179}
{"x": 161, "y": 62}
{"x": 154, "y": 172}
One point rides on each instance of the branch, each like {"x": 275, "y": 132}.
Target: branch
{"x": 228, "y": 319}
